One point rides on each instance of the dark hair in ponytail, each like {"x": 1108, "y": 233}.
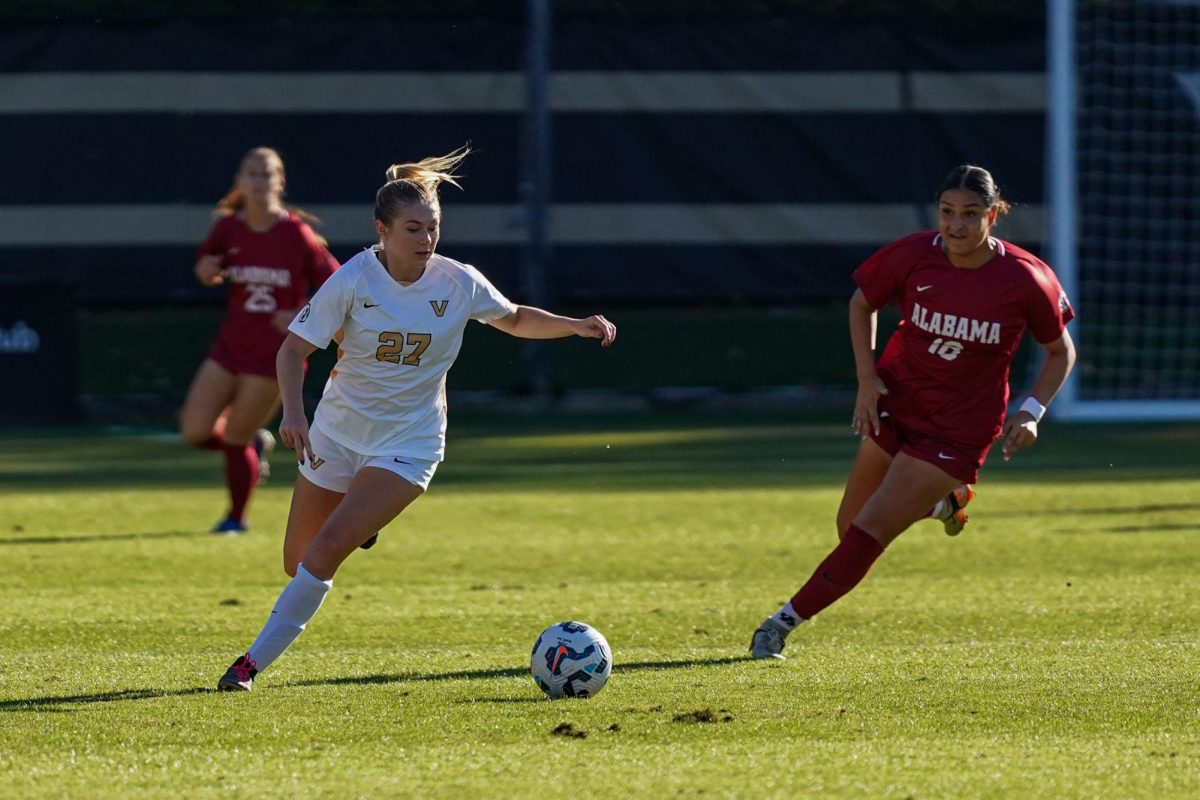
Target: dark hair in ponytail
{"x": 979, "y": 181}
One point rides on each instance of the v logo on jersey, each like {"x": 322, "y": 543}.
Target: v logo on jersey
{"x": 439, "y": 306}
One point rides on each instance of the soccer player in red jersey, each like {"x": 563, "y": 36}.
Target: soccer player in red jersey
{"x": 271, "y": 261}
{"x": 929, "y": 411}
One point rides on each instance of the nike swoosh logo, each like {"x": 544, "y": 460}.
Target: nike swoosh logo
{"x": 398, "y": 461}
{"x": 945, "y": 457}
{"x": 369, "y": 305}
{"x": 825, "y": 574}
{"x": 923, "y": 288}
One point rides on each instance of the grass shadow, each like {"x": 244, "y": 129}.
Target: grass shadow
{"x": 1107, "y": 510}
{"x": 512, "y": 672}
{"x": 60, "y": 703}
{"x": 1158, "y": 528}
{"x": 505, "y": 700}
{"x": 65, "y": 702}
{"x": 113, "y": 537}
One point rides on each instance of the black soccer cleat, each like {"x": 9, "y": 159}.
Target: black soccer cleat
{"x": 239, "y": 677}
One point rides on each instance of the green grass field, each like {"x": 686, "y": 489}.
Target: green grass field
{"x": 1048, "y": 652}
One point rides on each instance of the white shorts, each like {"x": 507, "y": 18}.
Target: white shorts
{"x": 335, "y": 465}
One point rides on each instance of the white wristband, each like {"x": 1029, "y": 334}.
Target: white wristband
{"x": 1033, "y": 408}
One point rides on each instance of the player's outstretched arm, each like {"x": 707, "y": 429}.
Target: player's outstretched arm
{"x": 528, "y": 322}
{"x": 1020, "y": 430}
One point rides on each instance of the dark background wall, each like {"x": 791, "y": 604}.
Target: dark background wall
{"x": 730, "y": 159}
{"x": 718, "y": 168}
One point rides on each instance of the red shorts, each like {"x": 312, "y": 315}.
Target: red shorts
{"x": 242, "y": 364}
{"x": 956, "y": 459}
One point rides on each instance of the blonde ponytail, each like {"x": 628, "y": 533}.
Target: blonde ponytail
{"x": 233, "y": 202}
{"x": 417, "y": 182}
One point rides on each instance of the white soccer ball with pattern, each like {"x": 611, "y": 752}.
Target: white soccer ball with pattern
{"x": 571, "y": 659}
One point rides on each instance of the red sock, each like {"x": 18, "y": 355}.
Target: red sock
{"x": 241, "y": 474}
{"x": 213, "y": 442}
{"x": 839, "y": 572}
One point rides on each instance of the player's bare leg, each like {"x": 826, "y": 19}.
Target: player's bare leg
{"x": 907, "y": 492}
{"x": 255, "y": 401}
{"x": 254, "y": 406}
{"x": 866, "y": 474}
{"x": 311, "y": 506}
{"x": 375, "y": 498}
{"x": 870, "y": 466}
{"x": 210, "y": 393}
{"x": 909, "y": 488}
{"x": 203, "y": 419}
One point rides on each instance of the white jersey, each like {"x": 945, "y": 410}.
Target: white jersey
{"x": 387, "y": 395}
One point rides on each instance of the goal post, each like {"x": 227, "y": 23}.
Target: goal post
{"x": 1123, "y": 184}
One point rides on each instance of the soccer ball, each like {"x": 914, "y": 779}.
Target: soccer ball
{"x": 571, "y": 659}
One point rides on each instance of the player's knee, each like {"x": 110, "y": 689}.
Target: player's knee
{"x": 843, "y": 525}
{"x": 194, "y": 435}
{"x": 291, "y": 560}
{"x": 323, "y": 556}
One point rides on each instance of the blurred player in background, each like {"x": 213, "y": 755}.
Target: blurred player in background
{"x": 379, "y": 431}
{"x": 271, "y": 261}
{"x": 931, "y": 409}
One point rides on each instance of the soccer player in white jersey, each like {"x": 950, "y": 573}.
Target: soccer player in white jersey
{"x": 379, "y": 430}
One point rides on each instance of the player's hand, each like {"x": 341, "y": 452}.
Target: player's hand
{"x": 866, "y": 407}
{"x": 282, "y": 318}
{"x": 595, "y": 327}
{"x": 208, "y": 270}
{"x": 1020, "y": 431}
{"x": 293, "y": 432}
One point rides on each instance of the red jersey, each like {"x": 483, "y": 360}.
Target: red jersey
{"x": 946, "y": 365}
{"x": 279, "y": 268}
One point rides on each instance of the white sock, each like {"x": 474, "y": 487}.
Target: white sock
{"x": 941, "y": 509}
{"x": 297, "y": 604}
{"x": 786, "y": 618}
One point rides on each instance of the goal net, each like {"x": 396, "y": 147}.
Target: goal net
{"x": 1124, "y": 179}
